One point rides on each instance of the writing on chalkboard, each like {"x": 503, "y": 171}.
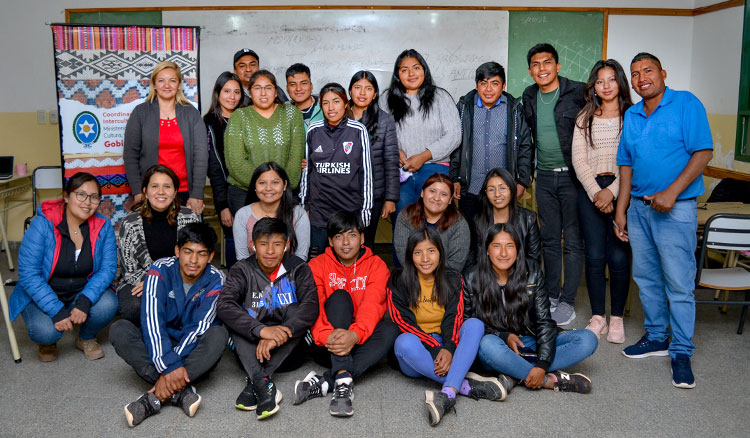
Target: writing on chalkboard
{"x": 535, "y": 20}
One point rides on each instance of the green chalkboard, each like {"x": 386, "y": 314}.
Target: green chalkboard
{"x": 137, "y": 18}
{"x": 577, "y": 37}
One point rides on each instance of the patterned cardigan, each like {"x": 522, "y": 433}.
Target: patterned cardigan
{"x": 132, "y": 250}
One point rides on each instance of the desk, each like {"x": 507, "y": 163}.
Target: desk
{"x": 9, "y": 190}
{"x": 708, "y": 209}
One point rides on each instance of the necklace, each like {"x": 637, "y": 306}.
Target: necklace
{"x": 551, "y": 100}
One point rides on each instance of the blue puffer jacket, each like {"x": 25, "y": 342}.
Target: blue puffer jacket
{"x": 40, "y": 250}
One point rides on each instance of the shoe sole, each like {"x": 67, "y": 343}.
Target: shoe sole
{"x": 571, "y": 319}
{"x": 432, "y": 412}
{"x": 265, "y": 414}
{"x": 242, "y": 407}
{"x": 341, "y": 414}
{"x": 660, "y": 353}
{"x": 495, "y": 380}
{"x": 616, "y": 341}
{"x": 194, "y": 407}
{"x": 682, "y": 385}
{"x": 129, "y": 417}
{"x": 89, "y": 356}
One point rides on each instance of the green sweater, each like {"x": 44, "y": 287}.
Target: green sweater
{"x": 250, "y": 140}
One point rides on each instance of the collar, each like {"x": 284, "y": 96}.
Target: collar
{"x": 502, "y": 99}
{"x": 334, "y": 128}
{"x": 62, "y": 227}
{"x": 666, "y": 99}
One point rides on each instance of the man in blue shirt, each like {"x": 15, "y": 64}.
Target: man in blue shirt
{"x": 665, "y": 145}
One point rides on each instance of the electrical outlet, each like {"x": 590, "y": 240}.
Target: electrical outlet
{"x": 53, "y": 117}
{"x": 41, "y": 117}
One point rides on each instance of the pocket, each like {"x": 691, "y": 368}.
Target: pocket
{"x": 683, "y": 212}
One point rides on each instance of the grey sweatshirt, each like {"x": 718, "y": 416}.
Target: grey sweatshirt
{"x": 455, "y": 241}
{"x": 440, "y": 132}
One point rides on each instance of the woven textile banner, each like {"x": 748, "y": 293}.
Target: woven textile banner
{"x": 103, "y": 72}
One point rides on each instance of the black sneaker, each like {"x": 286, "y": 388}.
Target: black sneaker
{"x": 682, "y": 373}
{"x": 343, "y": 396}
{"x": 646, "y": 348}
{"x": 247, "y": 401}
{"x": 187, "y": 399}
{"x": 438, "y": 403}
{"x": 309, "y": 388}
{"x": 268, "y": 397}
{"x": 572, "y": 382}
{"x": 146, "y": 406}
{"x": 488, "y": 388}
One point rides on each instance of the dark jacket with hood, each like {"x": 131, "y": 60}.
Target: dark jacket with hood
{"x": 250, "y": 301}
{"x": 518, "y": 148}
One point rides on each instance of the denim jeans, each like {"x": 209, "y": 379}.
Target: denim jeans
{"x": 664, "y": 268}
{"x": 603, "y": 249}
{"x": 416, "y": 361}
{"x": 557, "y": 199}
{"x": 42, "y": 330}
{"x": 571, "y": 347}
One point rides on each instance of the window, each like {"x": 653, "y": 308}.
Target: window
{"x": 742, "y": 148}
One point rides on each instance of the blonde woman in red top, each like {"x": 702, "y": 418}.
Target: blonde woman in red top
{"x": 168, "y": 130}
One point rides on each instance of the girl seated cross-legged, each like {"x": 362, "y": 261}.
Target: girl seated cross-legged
{"x": 425, "y": 301}
{"x": 521, "y": 341}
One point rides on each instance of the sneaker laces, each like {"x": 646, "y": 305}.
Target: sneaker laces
{"x": 316, "y": 388}
{"x": 342, "y": 390}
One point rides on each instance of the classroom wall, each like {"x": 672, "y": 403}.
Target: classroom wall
{"x": 693, "y": 50}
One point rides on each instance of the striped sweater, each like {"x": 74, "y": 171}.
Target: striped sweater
{"x": 602, "y": 158}
{"x": 398, "y": 309}
{"x": 169, "y": 313}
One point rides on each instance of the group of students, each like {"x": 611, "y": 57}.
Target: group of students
{"x": 467, "y": 306}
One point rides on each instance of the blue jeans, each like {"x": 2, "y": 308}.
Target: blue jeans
{"x": 571, "y": 347}
{"x": 603, "y": 249}
{"x": 42, "y": 331}
{"x": 416, "y": 361}
{"x": 557, "y": 200}
{"x": 664, "y": 269}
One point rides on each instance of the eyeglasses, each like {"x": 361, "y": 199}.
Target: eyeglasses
{"x": 94, "y": 198}
{"x": 267, "y": 88}
{"x": 500, "y": 189}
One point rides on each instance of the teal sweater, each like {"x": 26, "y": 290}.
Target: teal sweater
{"x": 250, "y": 140}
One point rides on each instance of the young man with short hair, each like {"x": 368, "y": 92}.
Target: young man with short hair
{"x": 350, "y": 334}
{"x": 246, "y": 62}
{"x": 494, "y": 134}
{"x": 666, "y": 143}
{"x": 268, "y": 303}
{"x": 179, "y": 340}
{"x": 300, "y": 87}
{"x": 551, "y": 106}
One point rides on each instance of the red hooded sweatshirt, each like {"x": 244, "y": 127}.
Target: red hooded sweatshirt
{"x": 365, "y": 280}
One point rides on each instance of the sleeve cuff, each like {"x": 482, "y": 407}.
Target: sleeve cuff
{"x": 83, "y": 303}
{"x": 434, "y": 351}
{"x": 543, "y": 364}
{"x": 62, "y": 314}
{"x": 256, "y": 331}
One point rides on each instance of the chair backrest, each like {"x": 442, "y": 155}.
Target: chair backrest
{"x": 728, "y": 232}
{"x": 46, "y": 177}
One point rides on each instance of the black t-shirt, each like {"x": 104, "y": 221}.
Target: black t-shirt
{"x": 70, "y": 275}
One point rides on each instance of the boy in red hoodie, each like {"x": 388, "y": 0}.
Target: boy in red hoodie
{"x": 350, "y": 334}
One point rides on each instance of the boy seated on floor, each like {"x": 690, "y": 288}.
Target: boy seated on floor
{"x": 268, "y": 303}
{"x": 350, "y": 334}
{"x": 179, "y": 340}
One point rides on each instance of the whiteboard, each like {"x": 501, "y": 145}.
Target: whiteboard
{"x": 337, "y": 43}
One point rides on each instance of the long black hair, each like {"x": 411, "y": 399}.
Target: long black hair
{"x": 215, "y": 108}
{"x": 285, "y": 211}
{"x": 502, "y": 307}
{"x": 594, "y": 102}
{"x": 441, "y": 290}
{"x": 370, "y": 115}
{"x": 397, "y": 101}
{"x": 485, "y": 216}
{"x": 338, "y": 90}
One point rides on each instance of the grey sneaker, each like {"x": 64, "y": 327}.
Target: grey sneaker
{"x": 146, "y": 406}
{"x": 438, "y": 403}
{"x": 488, "y": 388}
{"x": 564, "y": 314}
{"x": 553, "y": 303}
{"x": 312, "y": 386}
{"x": 187, "y": 399}
{"x": 341, "y": 403}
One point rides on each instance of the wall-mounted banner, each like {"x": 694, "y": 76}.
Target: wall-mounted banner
{"x": 102, "y": 73}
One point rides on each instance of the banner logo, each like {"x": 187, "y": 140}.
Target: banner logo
{"x": 86, "y": 129}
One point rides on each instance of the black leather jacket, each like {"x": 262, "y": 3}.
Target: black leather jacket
{"x": 566, "y": 110}
{"x": 518, "y": 150}
{"x": 538, "y": 322}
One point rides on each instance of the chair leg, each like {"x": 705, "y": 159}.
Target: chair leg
{"x": 8, "y": 325}
{"x": 744, "y": 313}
